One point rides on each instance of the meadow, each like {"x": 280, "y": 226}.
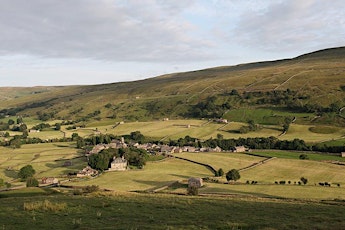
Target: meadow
{"x": 46, "y": 158}
{"x": 158, "y": 211}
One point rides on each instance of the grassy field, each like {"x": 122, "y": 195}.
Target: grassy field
{"x": 47, "y": 159}
{"x": 292, "y": 170}
{"x": 303, "y": 132}
{"x": 266, "y": 116}
{"x": 142, "y": 211}
{"x": 305, "y": 192}
{"x": 226, "y": 161}
{"x": 295, "y": 155}
{"x": 201, "y": 129}
{"x": 154, "y": 175}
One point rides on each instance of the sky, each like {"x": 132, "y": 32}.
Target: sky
{"x": 82, "y": 42}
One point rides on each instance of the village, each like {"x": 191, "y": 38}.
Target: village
{"x": 121, "y": 164}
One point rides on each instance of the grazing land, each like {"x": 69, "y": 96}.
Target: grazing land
{"x": 293, "y": 104}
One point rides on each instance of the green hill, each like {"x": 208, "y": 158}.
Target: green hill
{"x": 312, "y": 83}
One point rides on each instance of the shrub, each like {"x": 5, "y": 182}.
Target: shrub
{"x": 282, "y": 182}
{"x": 220, "y": 172}
{"x": 233, "y": 174}
{"x": 26, "y": 172}
{"x": 90, "y": 188}
{"x": 31, "y": 182}
{"x": 77, "y": 192}
{"x": 304, "y": 180}
{"x": 303, "y": 156}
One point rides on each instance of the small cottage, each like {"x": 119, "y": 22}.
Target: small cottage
{"x": 49, "y": 180}
{"x": 87, "y": 171}
{"x": 343, "y": 154}
{"x": 195, "y": 182}
{"x": 239, "y": 149}
{"x": 118, "y": 164}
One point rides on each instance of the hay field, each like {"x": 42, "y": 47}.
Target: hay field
{"x": 154, "y": 174}
{"x": 277, "y": 191}
{"x": 46, "y": 158}
{"x": 226, "y": 161}
{"x": 293, "y": 169}
{"x": 303, "y": 132}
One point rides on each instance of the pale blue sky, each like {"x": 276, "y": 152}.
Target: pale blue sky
{"x": 64, "y": 42}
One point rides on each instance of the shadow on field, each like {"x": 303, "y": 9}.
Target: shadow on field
{"x": 153, "y": 183}
{"x": 181, "y": 176}
{"x": 240, "y": 193}
{"x": 10, "y": 174}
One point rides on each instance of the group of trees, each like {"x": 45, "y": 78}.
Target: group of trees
{"x": 101, "y": 161}
{"x": 27, "y": 173}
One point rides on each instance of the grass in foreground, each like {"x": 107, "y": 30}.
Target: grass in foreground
{"x": 141, "y": 211}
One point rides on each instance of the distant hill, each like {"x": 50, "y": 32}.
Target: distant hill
{"x": 316, "y": 80}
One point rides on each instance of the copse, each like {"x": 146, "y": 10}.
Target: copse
{"x": 233, "y": 174}
{"x": 26, "y": 172}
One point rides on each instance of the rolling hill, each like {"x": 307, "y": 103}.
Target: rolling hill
{"x": 310, "y": 83}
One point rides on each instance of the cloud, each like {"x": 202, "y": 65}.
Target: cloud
{"x": 293, "y": 25}
{"x": 111, "y": 30}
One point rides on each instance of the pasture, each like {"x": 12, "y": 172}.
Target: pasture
{"x": 226, "y": 161}
{"x": 154, "y": 175}
{"x": 143, "y": 211}
{"x": 201, "y": 129}
{"x": 46, "y": 158}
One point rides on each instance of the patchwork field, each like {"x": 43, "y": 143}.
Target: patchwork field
{"x": 47, "y": 159}
{"x": 154, "y": 175}
{"x": 201, "y": 129}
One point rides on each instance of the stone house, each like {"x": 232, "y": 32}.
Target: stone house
{"x": 195, "y": 182}
{"x": 190, "y": 149}
{"x": 87, "y": 171}
{"x": 49, "y": 180}
{"x": 118, "y": 164}
{"x": 239, "y": 149}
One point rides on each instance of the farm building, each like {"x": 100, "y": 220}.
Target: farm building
{"x": 343, "y": 154}
{"x": 195, "y": 182}
{"x": 49, "y": 180}
{"x": 239, "y": 149}
{"x": 87, "y": 171}
{"x": 118, "y": 164}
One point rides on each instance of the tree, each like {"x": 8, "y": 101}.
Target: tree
{"x": 57, "y": 126}
{"x": 19, "y": 120}
{"x": 11, "y": 122}
{"x": 233, "y": 174}
{"x": 16, "y": 142}
{"x": 31, "y": 182}
{"x": 80, "y": 142}
{"x": 26, "y": 172}
{"x": 304, "y": 180}
{"x": 220, "y": 172}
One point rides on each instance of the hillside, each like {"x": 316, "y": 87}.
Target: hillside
{"x": 308, "y": 83}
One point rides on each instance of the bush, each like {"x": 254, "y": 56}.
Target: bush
{"x": 220, "y": 172}
{"x": 31, "y": 182}
{"x": 303, "y": 156}
{"x": 304, "y": 180}
{"x": 77, "y": 192}
{"x": 233, "y": 174}
{"x": 90, "y": 188}
{"x": 26, "y": 172}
